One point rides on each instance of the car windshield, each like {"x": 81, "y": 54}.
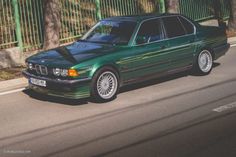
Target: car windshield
{"x": 111, "y": 32}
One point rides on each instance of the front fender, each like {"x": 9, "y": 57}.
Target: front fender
{"x": 100, "y": 65}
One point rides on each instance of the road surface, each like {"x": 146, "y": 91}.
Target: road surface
{"x": 184, "y": 115}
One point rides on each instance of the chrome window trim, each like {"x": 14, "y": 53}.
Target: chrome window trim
{"x": 136, "y": 33}
{"x": 194, "y": 27}
{"x": 134, "y": 45}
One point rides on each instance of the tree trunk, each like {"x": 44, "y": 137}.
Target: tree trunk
{"x": 218, "y": 12}
{"x": 172, "y": 6}
{"x": 51, "y": 24}
{"x": 232, "y": 19}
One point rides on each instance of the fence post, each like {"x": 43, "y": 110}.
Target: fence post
{"x": 17, "y": 20}
{"x": 162, "y": 6}
{"x": 98, "y": 10}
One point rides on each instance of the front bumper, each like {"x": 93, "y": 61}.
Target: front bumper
{"x": 74, "y": 89}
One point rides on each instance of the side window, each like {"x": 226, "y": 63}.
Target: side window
{"x": 149, "y": 31}
{"x": 187, "y": 25}
{"x": 173, "y": 27}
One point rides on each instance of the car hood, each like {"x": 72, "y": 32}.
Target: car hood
{"x": 70, "y": 55}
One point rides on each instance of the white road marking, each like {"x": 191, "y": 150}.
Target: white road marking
{"x": 233, "y": 45}
{"x": 12, "y": 91}
{"x": 225, "y": 107}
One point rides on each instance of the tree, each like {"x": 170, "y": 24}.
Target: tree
{"x": 218, "y": 12}
{"x": 172, "y": 6}
{"x": 52, "y": 23}
{"x": 232, "y": 19}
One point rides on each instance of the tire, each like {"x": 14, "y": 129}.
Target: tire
{"x": 204, "y": 62}
{"x": 105, "y": 85}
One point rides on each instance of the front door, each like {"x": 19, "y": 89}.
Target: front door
{"x": 148, "y": 56}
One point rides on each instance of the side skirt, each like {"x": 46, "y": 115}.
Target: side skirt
{"x": 158, "y": 75}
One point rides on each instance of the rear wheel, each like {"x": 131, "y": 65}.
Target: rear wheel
{"x": 105, "y": 85}
{"x": 204, "y": 62}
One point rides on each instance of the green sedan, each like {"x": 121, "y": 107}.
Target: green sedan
{"x": 123, "y": 50}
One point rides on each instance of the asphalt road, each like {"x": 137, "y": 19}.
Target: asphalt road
{"x": 180, "y": 116}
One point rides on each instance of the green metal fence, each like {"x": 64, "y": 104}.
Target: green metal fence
{"x": 201, "y": 10}
{"x": 77, "y": 16}
{"x": 7, "y": 25}
{"x": 128, "y": 7}
{"x": 225, "y": 7}
{"x": 22, "y": 20}
{"x": 31, "y": 23}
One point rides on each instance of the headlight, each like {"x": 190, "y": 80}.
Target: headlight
{"x": 29, "y": 66}
{"x": 64, "y": 72}
{"x": 57, "y": 72}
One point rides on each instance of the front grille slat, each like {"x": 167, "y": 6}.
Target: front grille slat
{"x": 37, "y": 69}
{"x": 41, "y": 69}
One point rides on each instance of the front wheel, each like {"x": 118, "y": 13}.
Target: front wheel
{"x": 105, "y": 85}
{"x": 204, "y": 62}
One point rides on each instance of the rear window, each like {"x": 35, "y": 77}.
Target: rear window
{"x": 173, "y": 27}
{"x": 187, "y": 25}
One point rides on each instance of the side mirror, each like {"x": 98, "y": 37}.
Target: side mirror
{"x": 141, "y": 40}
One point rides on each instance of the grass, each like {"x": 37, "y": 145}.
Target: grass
{"x": 11, "y": 73}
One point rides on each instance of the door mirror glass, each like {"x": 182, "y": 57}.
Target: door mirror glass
{"x": 141, "y": 40}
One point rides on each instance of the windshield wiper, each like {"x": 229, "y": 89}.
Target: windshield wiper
{"x": 82, "y": 40}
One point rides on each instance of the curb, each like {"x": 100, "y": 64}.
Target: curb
{"x": 13, "y": 84}
{"x": 23, "y": 82}
{"x": 232, "y": 40}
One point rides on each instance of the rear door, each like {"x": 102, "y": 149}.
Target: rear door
{"x": 180, "y": 36}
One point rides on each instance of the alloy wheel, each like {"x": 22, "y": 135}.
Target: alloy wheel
{"x": 205, "y": 61}
{"x": 107, "y": 85}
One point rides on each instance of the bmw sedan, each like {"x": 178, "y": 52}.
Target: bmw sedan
{"x": 123, "y": 50}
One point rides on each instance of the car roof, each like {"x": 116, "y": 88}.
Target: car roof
{"x": 137, "y": 18}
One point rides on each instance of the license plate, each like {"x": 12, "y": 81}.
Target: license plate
{"x": 38, "y": 82}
